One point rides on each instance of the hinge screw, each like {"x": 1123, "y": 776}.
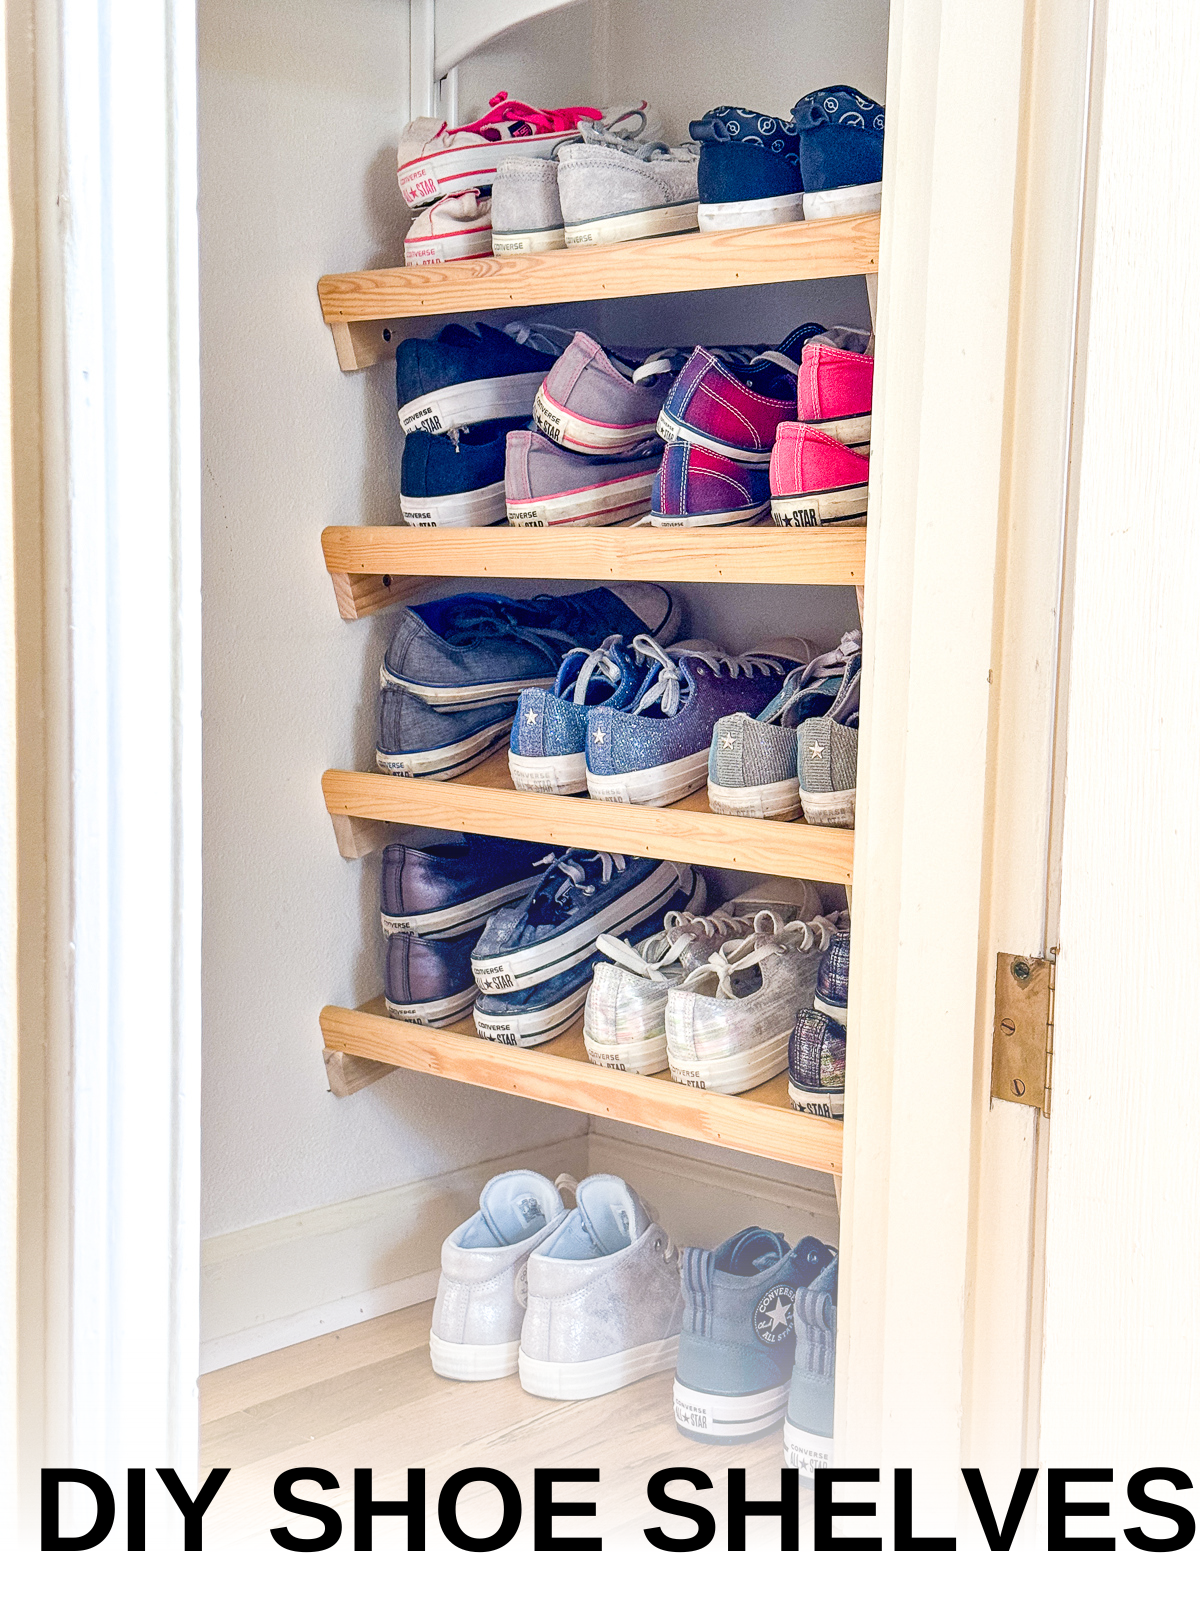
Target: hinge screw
{"x": 1018, "y": 1086}
{"x": 1020, "y": 970}
{"x": 1008, "y": 1026}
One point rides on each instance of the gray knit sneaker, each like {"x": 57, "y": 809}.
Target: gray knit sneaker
{"x": 827, "y": 758}
{"x": 612, "y": 188}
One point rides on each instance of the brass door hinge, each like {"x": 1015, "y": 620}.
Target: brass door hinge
{"x": 1023, "y": 1030}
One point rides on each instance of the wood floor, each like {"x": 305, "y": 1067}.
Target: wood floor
{"x": 367, "y": 1397}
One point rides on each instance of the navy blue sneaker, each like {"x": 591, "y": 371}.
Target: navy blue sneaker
{"x": 738, "y": 1344}
{"x": 455, "y": 481}
{"x": 808, "y": 1430}
{"x": 749, "y": 173}
{"x": 470, "y": 375}
{"x": 841, "y": 151}
{"x": 474, "y": 649}
{"x": 415, "y": 741}
{"x": 429, "y": 980}
{"x": 583, "y": 894}
{"x": 548, "y": 749}
{"x": 440, "y": 891}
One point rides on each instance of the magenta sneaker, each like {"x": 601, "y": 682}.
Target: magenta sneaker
{"x": 544, "y": 486}
{"x": 696, "y": 486}
{"x": 815, "y": 481}
{"x": 837, "y": 372}
{"x": 604, "y": 402}
{"x": 735, "y": 406}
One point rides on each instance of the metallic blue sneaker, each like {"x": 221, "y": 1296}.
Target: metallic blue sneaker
{"x": 470, "y": 375}
{"x": 582, "y": 895}
{"x": 817, "y": 1065}
{"x": 547, "y": 751}
{"x": 808, "y": 1430}
{"x": 841, "y": 151}
{"x": 738, "y": 1345}
{"x": 429, "y": 980}
{"x": 416, "y": 741}
{"x": 833, "y": 980}
{"x": 441, "y": 891}
{"x": 474, "y": 649}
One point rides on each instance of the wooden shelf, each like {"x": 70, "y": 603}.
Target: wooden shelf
{"x": 484, "y": 801}
{"x": 362, "y": 308}
{"x": 365, "y": 1045}
{"x": 373, "y": 568}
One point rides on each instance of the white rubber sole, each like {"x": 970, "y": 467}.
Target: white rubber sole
{"x": 828, "y": 508}
{"x": 533, "y": 243}
{"x": 532, "y": 1028}
{"x": 549, "y": 774}
{"x": 424, "y": 178}
{"x": 729, "y": 1418}
{"x": 651, "y": 224}
{"x": 780, "y": 801}
{"x": 829, "y": 808}
{"x": 460, "y": 405}
{"x": 644, "y": 1057}
{"x": 838, "y": 1013}
{"x": 448, "y": 922}
{"x": 466, "y": 246}
{"x": 462, "y": 696}
{"x": 598, "y": 505}
{"x": 736, "y": 1073}
{"x": 853, "y": 431}
{"x": 652, "y": 786}
{"x": 827, "y": 1103}
{"x": 434, "y": 1013}
{"x": 582, "y": 1380}
{"x": 584, "y": 436}
{"x": 680, "y": 433}
{"x": 449, "y": 760}
{"x": 764, "y": 213}
{"x": 851, "y": 201}
{"x": 806, "y": 1451}
{"x": 712, "y": 519}
{"x": 477, "y": 508}
{"x": 472, "y": 1363}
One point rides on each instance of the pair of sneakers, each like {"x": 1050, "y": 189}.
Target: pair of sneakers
{"x": 578, "y": 1301}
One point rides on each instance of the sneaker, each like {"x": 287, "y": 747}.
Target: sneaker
{"x": 470, "y": 375}
{"x": 612, "y": 188}
{"x": 827, "y": 757}
{"x": 417, "y": 741}
{"x": 808, "y": 1430}
{"x": 833, "y": 979}
{"x": 526, "y": 216}
{"x": 737, "y": 1347}
{"x": 605, "y": 1305}
{"x": 455, "y": 228}
{"x": 657, "y": 752}
{"x": 837, "y": 374}
{"x": 474, "y": 649}
{"x": 582, "y": 894}
{"x": 547, "y": 750}
{"x": 841, "y": 151}
{"x": 476, "y": 1331}
{"x": 749, "y": 173}
{"x": 454, "y": 480}
{"x": 602, "y": 402}
{"x": 695, "y": 487}
{"x": 545, "y": 486}
{"x": 817, "y": 1065}
{"x": 733, "y": 406}
{"x": 815, "y": 481}
{"x": 441, "y": 891}
{"x": 729, "y": 1022}
{"x": 624, "y": 1023}
{"x": 753, "y": 761}
{"x": 429, "y": 981}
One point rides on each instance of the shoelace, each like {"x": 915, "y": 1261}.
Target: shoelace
{"x": 575, "y": 872}
{"x": 770, "y": 936}
{"x": 673, "y": 358}
{"x": 547, "y": 337}
{"x": 484, "y": 620}
{"x": 666, "y": 690}
{"x": 502, "y": 109}
{"x": 833, "y": 664}
{"x": 680, "y": 930}
{"x": 599, "y": 133}
{"x": 599, "y": 661}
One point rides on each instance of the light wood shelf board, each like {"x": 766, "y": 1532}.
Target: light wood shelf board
{"x": 485, "y": 801}
{"x": 360, "y": 306}
{"x": 761, "y": 1122}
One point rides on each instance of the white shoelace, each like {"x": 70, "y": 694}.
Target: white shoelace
{"x": 771, "y": 936}
{"x": 575, "y": 873}
{"x": 667, "y": 689}
{"x": 598, "y": 661}
{"x": 680, "y": 931}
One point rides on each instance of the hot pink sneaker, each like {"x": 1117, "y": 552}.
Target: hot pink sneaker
{"x": 837, "y": 372}
{"x": 815, "y": 481}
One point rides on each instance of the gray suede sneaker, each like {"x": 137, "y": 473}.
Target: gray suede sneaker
{"x": 526, "y": 215}
{"x": 605, "y": 1302}
{"x": 612, "y": 188}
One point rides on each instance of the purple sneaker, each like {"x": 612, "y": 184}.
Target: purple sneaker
{"x": 544, "y": 486}
{"x": 604, "y": 402}
{"x": 657, "y": 752}
{"x": 697, "y": 486}
{"x": 735, "y": 406}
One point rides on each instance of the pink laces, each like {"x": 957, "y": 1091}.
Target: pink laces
{"x": 502, "y": 109}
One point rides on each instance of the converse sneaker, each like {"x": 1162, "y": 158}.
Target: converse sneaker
{"x": 429, "y": 981}
{"x": 604, "y": 402}
{"x": 808, "y": 1430}
{"x": 612, "y": 188}
{"x": 837, "y": 376}
{"x": 417, "y": 741}
{"x": 815, "y": 481}
{"x": 827, "y": 756}
{"x": 732, "y": 405}
{"x": 841, "y": 151}
{"x": 469, "y": 375}
{"x": 454, "y": 481}
{"x": 817, "y": 1065}
{"x": 549, "y": 733}
{"x": 749, "y": 173}
{"x": 443, "y": 890}
{"x": 455, "y": 228}
{"x": 696, "y": 487}
{"x": 833, "y": 979}
{"x": 545, "y": 485}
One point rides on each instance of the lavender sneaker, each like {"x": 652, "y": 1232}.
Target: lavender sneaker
{"x": 604, "y": 402}
{"x": 544, "y": 486}
{"x": 734, "y": 406}
{"x": 695, "y": 487}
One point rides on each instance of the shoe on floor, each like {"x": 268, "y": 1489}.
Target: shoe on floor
{"x": 749, "y": 174}
{"x": 808, "y": 1429}
{"x": 734, "y": 404}
{"x": 657, "y": 752}
{"x": 428, "y": 981}
{"x": 455, "y": 480}
{"x": 604, "y": 402}
{"x": 547, "y": 749}
{"x": 476, "y": 1330}
{"x": 455, "y": 228}
{"x": 827, "y": 756}
{"x": 545, "y": 485}
{"x": 837, "y": 375}
{"x": 417, "y": 741}
{"x": 817, "y": 1065}
{"x": 466, "y": 376}
{"x": 841, "y": 151}
{"x": 443, "y": 890}
{"x": 737, "y": 1347}
{"x": 695, "y": 487}
{"x": 815, "y": 481}
{"x": 474, "y": 649}
{"x": 605, "y": 1305}
{"x": 613, "y": 188}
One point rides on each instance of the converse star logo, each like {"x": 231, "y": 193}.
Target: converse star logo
{"x": 815, "y": 750}
{"x": 726, "y": 741}
{"x": 773, "y": 1314}
{"x": 598, "y": 736}
{"x": 531, "y": 717}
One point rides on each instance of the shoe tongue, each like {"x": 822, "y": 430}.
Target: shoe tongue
{"x": 610, "y": 1213}
{"x": 516, "y": 1205}
{"x": 750, "y": 1252}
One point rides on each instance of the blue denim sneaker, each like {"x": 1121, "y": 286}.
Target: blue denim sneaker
{"x": 808, "y": 1430}
{"x": 841, "y": 151}
{"x": 583, "y": 894}
{"x": 817, "y": 1065}
{"x": 549, "y": 736}
{"x": 657, "y": 751}
{"x": 455, "y": 481}
{"x": 440, "y": 891}
{"x": 417, "y": 741}
{"x": 429, "y": 980}
{"x": 749, "y": 169}
{"x": 738, "y": 1344}
{"x": 474, "y": 649}
{"x": 470, "y": 375}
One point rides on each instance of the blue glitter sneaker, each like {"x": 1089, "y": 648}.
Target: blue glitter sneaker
{"x": 738, "y": 1345}
{"x": 808, "y": 1430}
{"x": 549, "y": 735}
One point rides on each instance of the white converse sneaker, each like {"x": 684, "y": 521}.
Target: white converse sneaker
{"x": 454, "y": 228}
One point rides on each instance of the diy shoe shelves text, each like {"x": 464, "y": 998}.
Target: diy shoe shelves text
{"x": 372, "y": 568}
